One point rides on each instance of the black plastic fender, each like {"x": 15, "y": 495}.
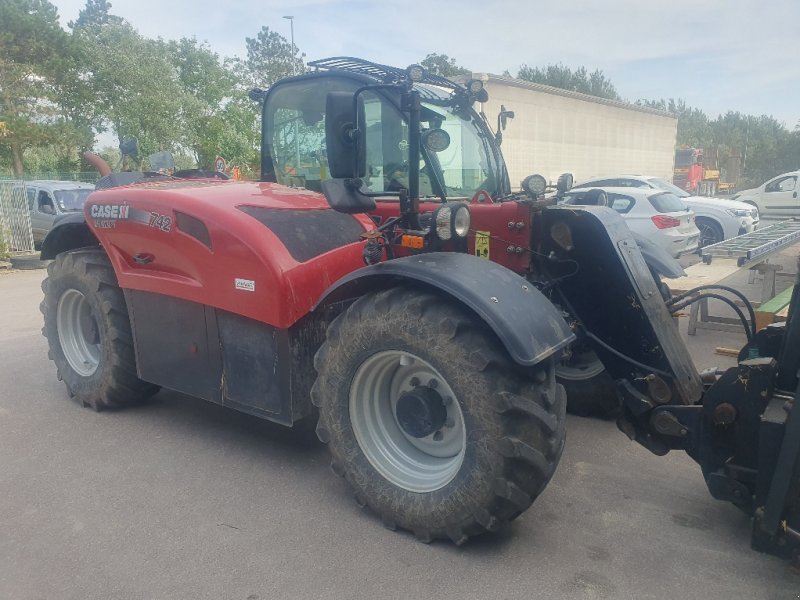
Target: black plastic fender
{"x": 659, "y": 260}
{"x": 69, "y": 231}
{"x": 525, "y": 321}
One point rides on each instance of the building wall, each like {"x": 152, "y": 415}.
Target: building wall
{"x": 556, "y": 131}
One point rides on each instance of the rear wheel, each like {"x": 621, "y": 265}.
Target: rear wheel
{"x": 87, "y": 328}
{"x": 429, "y": 421}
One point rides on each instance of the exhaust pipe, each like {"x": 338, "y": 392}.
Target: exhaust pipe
{"x": 98, "y": 163}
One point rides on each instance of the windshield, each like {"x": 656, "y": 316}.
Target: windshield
{"x": 684, "y": 158}
{"x": 295, "y": 141}
{"x": 71, "y": 200}
{"x": 466, "y": 165}
{"x": 667, "y": 203}
{"x": 665, "y": 185}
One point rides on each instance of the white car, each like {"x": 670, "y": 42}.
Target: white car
{"x": 717, "y": 218}
{"x": 777, "y": 197}
{"x": 659, "y": 216}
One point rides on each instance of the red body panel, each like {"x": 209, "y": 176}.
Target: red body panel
{"x": 274, "y": 287}
{"x": 508, "y": 225}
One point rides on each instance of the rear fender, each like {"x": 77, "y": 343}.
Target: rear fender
{"x": 527, "y": 324}
{"x": 69, "y": 232}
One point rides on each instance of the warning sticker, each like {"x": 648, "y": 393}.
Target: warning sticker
{"x": 482, "y": 244}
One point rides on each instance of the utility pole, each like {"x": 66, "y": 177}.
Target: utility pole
{"x": 291, "y": 25}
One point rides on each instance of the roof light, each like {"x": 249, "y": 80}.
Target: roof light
{"x": 415, "y": 73}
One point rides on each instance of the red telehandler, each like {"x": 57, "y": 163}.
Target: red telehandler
{"x": 384, "y": 276}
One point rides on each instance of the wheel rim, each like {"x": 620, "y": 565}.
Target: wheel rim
{"x": 416, "y": 464}
{"x": 78, "y": 333}
{"x": 581, "y": 366}
{"x": 708, "y": 236}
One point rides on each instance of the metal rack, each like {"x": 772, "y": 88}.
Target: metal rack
{"x": 755, "y": 245}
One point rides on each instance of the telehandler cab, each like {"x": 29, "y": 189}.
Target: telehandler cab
{"x": 433, "y": 367}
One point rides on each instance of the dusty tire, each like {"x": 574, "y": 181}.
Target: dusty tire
{"x": 710, "y": 232}
{"x": 88, "y": 331}
{"x": 591, "y": 391}
{"x": 513, "y": 419}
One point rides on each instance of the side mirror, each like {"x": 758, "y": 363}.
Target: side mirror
{"x": 504, "y": 116}
{"x": 345, "y": 136}
{"x": 47, "y": 209}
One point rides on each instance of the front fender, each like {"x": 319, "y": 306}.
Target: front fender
{"x": 69, "y": 231}
{"x": 528, "y": 325}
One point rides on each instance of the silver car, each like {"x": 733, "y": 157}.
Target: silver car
{"x": 48, "y": 199}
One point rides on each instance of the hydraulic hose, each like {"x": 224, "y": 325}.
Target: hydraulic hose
{"x": 731, "y": 290}
{"x": 749, "y": 328}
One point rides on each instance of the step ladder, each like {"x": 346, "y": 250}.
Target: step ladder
{"x": 756, "y": 244}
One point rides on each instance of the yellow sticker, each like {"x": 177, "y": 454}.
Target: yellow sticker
{"x": 482, "y": 244}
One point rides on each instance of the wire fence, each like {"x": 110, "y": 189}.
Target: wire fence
{"x": 16, "y": 233}
{"x": 86, "y": 176}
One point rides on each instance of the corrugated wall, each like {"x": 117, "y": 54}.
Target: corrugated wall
{"x": 555, "y": 131}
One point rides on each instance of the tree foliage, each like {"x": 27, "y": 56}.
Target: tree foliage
{"x": 35, "y": 61}
{"x": 443, "y": 65}
{"x": 563, "y": 77}
{"x": 271, "y": 57}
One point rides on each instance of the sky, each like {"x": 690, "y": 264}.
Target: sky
{"x": 718, "y": 55}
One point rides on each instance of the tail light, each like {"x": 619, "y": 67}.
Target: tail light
{"x": 665, "y": 222}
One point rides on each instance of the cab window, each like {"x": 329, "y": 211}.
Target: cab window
{"x": 784, "y": 184}
{"x": 295, "y": 119}
{"x": 44, "y": 200}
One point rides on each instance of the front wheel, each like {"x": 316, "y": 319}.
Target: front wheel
{"x": 429, "y": 421}
{"x": 87, "y": 328}
{"x": 710, "y": 232}
{"x": 591, "y": 391}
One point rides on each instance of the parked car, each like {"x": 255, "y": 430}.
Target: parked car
{"x": 717, "y": 218}
{"x": 660, "y": 216}
{"x": 48, "y": 199}
{"x": 777, "y": 197}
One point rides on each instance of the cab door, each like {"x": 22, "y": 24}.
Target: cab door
{"x": 42, "y": 215}
{"x": 780, "y": 196}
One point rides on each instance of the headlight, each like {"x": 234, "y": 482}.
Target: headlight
{"x": 738, "y": 212}
{"x": 441, "y": 223}
{"x": 452, "y": 219}
{"x": 461, "y": 221}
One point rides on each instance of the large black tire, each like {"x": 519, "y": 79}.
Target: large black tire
{"x": 512, "y": 418}
{"x": 591, "y": 391}
{"x": 84, "y": 310}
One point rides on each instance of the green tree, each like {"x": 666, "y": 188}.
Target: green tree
{"x": 270, "y": 58}
{"x": 220, "y": 119}
{"x": 134, "y": 86}
{"x": 443, "y": 65}
{"x": 563, "y": 77}
{"x": 35, "y": 57}
{"x": 95, "y": 14}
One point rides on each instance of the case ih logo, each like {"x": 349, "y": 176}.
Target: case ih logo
{"x": 110, "y": 211}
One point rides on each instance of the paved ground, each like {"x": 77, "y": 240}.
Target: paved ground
{"x": 182, "y": 499}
